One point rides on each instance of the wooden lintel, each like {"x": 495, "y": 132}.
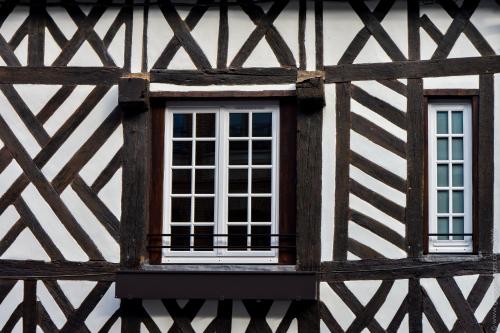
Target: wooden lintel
{"x": 133, "y": 93}
{"x": 310, "y": 88}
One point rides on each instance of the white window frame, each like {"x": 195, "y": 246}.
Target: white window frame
{"x": 222, "y": 111}
{"x": 450, "y": 246}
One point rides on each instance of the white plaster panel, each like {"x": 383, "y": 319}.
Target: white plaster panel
{"x": 103, "y": 310}
{"x": 137, "y": 40}
{"x": 85, "y": 57}
{"x": 339, "y": 310}
{"x": 117, "y": 47}
{"x": 395, "y": 24}
{"x": 25, "y": 247}
{"x": 276, "y": 313}
{"x": 181, "y": 60}
{"x": 466, "y": 283}
{"x": 392, "y": 303}
{"x": 372, "y": 240}
{"x": 310, "y": 37}
{"x": 102, "y": 157}
{"x": 352, "y": 256}
{"x": 67, "y": 108}
{"x": 110, "y": 194}
{"x": 372, "y": 52}
{"x": 328, "y": 175}
{"x": 379, "y": 187}
{"x": 53, "y": 310}
{"x": 10, "y": 303}
{"x": 240, "y": 27}
{"x": 240, "y": 318}
{"x": 496, "y": 184}
{"x": 21, "y": 52}
{"x": 384, "y": 93}
{"x": 62, "y": 19}
{"x": 378, "y": 155}
{"x": 205, "y": 316}
{"x": 99, "y": 235}
{"x": 159, "y": 34}
{"x": 255, "y": 87}
{"x": 158, "y": 312}
{"x": 369, "y": 210}
{"x": 52, "y": 225}
{"x": 17, "y": 126}
{"x": 14, "y": 21}
{"x": 52, "y": 49}
{"x": 363, "y": 290}
{"x": 106, "y": 20}
{"x": 485, "y": 19}
{"x": 9, "y": 176}
{"x": 441, "y": 20}
{"x": 105, "y": 106}
{"x": 378, "y": 120}
{"x": 76, "y": 291}
{"x": 8, "y": 218}
{"x": 438, "y": 298}
{"x": 340, "y": 25}
{"x": 452, "y": 82}
{"x": 489, "y": 299}
{"x": 287, "y": 24}
{"x": 262, "y": 56}
{"x": 36, "y": 96}
{"x": 463, "y": 48}
{"x": 205, "y": 34}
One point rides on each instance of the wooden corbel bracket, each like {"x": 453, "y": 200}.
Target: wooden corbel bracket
{"x": 310, "y": 87}
{"x": 133, "y": 93}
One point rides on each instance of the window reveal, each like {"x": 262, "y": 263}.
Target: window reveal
{"x": 221, "y": 194}
{"x": 450, "y": 177}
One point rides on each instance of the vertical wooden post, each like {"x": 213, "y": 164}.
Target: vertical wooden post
{"x": 134, "y": 102}
{"x": 30, "y": 308}
{"x": 310, "y": 101}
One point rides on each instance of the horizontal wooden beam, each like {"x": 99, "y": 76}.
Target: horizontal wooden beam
{"x": 223, "y": 94}
{"x": 66, "y": 270}
{"x": 413, "y": 69}
{"x": 276, "y": 75}
{"x": 375, "y": 269}
{"x": 60, "y": 75}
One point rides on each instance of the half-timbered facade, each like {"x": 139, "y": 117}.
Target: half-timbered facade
{"x": 249, "y": 166}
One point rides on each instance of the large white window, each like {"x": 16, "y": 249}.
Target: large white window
{"x": 221, "y": 182}
{"x": 450, "y": 177}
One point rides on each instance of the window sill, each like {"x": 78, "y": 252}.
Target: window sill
{"x": 276, "y": 282}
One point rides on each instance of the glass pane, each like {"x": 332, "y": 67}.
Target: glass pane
{"x": 458, "y": 201}
{"x": 261, "y": 152}
{"x": 204, "y": 209}
{"x": 238, "y": 181}
{"x": 457, "y": 122}
{"x": 204, "y": 182}
{"x": 443, "y": 202}
{"x": 238, "y": 152}
{"x": 262, "y": 124}
{"x": 181, "y": 210}
{"x": 205, "y": 125}
{"x": 205, "y": 153}
{"x": 237, "y": 209}
{"x": 457, "y": 149}
{"x": 183, "y": 127}
{"x": 261, "y": 181}
{"x": 442, "y": 149}
{"x": 442, "y": 227}
{"x": 181, "y": 181}
{"x": 458, "y": 227}
{"x": 237, "y": 239}
{"x": 180, "y": 238}
{"x": 181, "y": 153}
{"x": 204, "y": 238}
{"x": 442, "y": 122}
{"x": 261, "y": 209}
{"x": 442, "y": 175}
{"x": 457, "y": 175}
{"x": 261, "y": 238}
{"x": 238, "y": 124}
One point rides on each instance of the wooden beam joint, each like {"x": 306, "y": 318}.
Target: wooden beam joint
{"x": 310, "y": 87}
{"x": 133, "y": 94}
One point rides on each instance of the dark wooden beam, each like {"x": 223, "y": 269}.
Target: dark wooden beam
{"x": 61, "y": 270}
{"x": 225, "y": 76}
{"x": 413, "y": 69}
{"x": 134, "y": 101}
{"x": 310, "y": 89}
{"x": 60, "y": 75}
{"x": 382, "y": 269}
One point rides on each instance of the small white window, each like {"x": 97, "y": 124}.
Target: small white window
{"x": 450, "y": 177}
{"x": 221, "y": 182}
